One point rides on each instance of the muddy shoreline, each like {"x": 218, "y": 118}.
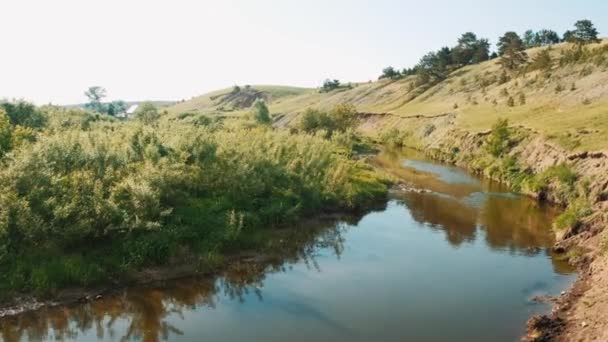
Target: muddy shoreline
{"x": 157, "y": 276}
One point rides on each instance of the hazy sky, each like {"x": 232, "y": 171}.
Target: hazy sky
{"x": 144, "y": 49}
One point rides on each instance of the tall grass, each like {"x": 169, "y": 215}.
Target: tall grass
{"x": 114, "y": 196}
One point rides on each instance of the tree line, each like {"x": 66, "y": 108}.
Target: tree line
{"x": 469, "y": 49}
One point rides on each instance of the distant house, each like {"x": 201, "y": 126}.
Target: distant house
{"x": 129, "y": 113}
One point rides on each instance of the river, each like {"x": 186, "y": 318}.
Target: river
{"x": 462, "y": 261}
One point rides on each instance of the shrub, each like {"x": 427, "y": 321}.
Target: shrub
{"x": 522, "y": 99}
{"x": 147, "y": 113}
{"x": 572, "y": 216}
{"x": 260, "y": 113}
{"x": 394, "y": 138}
{"x": 24, "y": 114}
{"x": 499, "y": 140}
{"x": 138, "y": 192}
{"x": 510, "y": 102}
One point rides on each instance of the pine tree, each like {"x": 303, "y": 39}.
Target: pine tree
{"x": 512, "y": 51}
{"x": 585, "y": 33}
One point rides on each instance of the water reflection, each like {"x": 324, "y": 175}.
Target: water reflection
{"x": 382, "y": 275}
{"x": 462, "y": 205}
{"x": 140, "y": 313}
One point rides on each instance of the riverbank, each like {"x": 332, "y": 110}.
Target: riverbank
{"x": 279, "y": 243}
{"x": 530, "y": 164}
{"x": 382, "y": 276}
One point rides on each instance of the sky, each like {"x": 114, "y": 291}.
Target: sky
{"x": 52, "y": 51}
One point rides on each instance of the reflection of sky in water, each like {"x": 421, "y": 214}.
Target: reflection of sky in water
{"x": 445, "y": 173}
{"x": 428, "y": 267}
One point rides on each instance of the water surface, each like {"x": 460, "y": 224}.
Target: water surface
{"x": 460, "y": 263}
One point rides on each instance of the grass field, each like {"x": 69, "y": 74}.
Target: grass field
{"x": 568, "y": 102}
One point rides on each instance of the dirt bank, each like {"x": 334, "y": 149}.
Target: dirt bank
{"x": 580, "y": 314}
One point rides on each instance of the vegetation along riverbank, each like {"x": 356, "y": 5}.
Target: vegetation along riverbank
{"x": 534, "y": 117}
{"x": 88, "y": 198}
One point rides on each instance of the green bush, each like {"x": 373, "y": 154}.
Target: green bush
{"x": 572, "y": 216}
{"x": 499, "y": 140}
{"x": 144, "y": 193}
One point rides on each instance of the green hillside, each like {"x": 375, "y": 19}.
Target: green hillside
{"x": 566, "y": 100}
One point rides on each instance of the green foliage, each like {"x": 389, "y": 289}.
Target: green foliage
{"x": 522, "y": 98}
{"x": 511, "y": 50}
{"x": 390, "y": 73}
{"x": 313, "y": 120}
{"x": 143, "y": 195}
{"x": 329, "y": 85}
{"x": 572, "y": 216}
{"x": 499, "y": 140}
{"x": 510, "y": 101}
{"x": 562, "y": 181}
{"x": 260, "y": 113}
{"x": 541, "y": 38}
{"x": 95, "y": 94}
{"x": 147, "y": 113}
{"x": 470, "y": 50}
{"x": 5, "y": 133}
{"x": 344, "y": 116}
{"x": 340, "y": 118}
{"x": 24, "y": 114}
{"x": 584, "y": 33}
{"x": 394, "y": 138}
{"x": 542, "y": 61}
{"x": 434, "y": 66}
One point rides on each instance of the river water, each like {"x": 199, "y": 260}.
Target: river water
{"x": 462, "y": 262}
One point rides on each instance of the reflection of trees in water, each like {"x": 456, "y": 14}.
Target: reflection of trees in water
{"x": 146, "y": 309}
{"x": 456, "y": 219}
{"x": 514, "y": 223}
{"x": 517, "y": 224}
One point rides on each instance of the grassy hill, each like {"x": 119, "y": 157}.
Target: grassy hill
{"x": 567, "y": 102}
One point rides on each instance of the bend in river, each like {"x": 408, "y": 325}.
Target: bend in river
{"x": 460, "y": 261}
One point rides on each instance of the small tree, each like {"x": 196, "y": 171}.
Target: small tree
{"x": 329, "y": 85}
{"x": 542, "y": 60}
{"x": 260, "y": 113}
{"x": 568, "y": 36}
{"x": 512, "y": 51}
{"x": 585, "y": 33}
{"x": 23, "y": 113}
{"x": 546, "y": 37}
{"x": 147, "y": 113}
{"x": 522, "y": 99}
{"x": 344, "y": 116}
{"x": 470, "y": 50}
{"x": 390, "y": 73}
{"x": 313, "y": 120}
{"x": 510, "y": 101}
{"x": 118, "y": 107}
{"x": 529, "y": 39}
{"x": 95, "y": 94}
{"x": 499, "y": 139}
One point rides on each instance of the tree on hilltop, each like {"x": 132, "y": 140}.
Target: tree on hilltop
{"x": 584, "y": 33}
{"x": 470, "y": 49}
{"x": 511, "y": 50}
{"x": 390, "y": 73}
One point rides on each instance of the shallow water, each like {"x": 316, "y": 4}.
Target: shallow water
{"x": 461, "y": 263}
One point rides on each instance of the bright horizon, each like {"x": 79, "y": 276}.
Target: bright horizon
{"x": 153, "y": 50}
